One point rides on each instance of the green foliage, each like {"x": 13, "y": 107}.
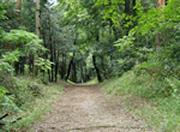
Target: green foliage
{"x": 140, "y": 42}
{"x": 2, "y": 92}
{"x": 121, "y": 35}
{"x": 26, "y": 42}
{"x": 18, "y": 45}
{"x": 34, "y": 47}
{"x": 43, "y": 64}
{"x": 5, "y": 67}
{"x": 174, "y": 85}
{"x": 36, "y": 89}
{"x": 2, "y": 11}
{"x": 35, "y": 100}
{"x": 125, "y": 42}
{"x": 7, "y": 61}
{"x": 7, "y": 104}
{"x": 156, "y": 20}
{"x": 160, "y": 108}
{"x": 11, "y": 57}
{"x": 163, "y": 115}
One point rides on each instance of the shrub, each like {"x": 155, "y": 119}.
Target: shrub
{"x": 7, "y": 104}
{"x": 35, "y": 88}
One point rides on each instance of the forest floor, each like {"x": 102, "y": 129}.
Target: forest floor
{"x": 88, "y": 109}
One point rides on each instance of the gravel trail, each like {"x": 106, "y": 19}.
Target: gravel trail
{"x": 89, "y": 109}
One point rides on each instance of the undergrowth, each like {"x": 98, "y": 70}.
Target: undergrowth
{"x": 161, "y": 109}
{"x": 32, "y": 99}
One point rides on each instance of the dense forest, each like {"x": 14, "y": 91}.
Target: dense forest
{"x": 128, "y": 46}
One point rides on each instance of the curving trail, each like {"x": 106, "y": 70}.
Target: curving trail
{"x": 88, "y": 109}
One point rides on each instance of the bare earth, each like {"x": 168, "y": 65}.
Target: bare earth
{"x": 89, "y": 109}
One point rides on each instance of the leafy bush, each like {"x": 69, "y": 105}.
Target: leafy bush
{"x": 35, "y": 88}
{"x": 173, "y": 85}
{"x": 125, "y": 42}
{"x": 6, "y": 70}
{"x": 28, "y": 43}
{"x": 11, "y": 57}
{"x": 2, "y": 92}
{"x": 7, "y": 104}
{"x": 5, "y": 67}
{"x": 43, "y": 65}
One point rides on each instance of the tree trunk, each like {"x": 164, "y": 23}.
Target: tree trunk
{"x": 97, "y": 69}
{"x": 82, "y": 65}
{"x": 69, "y": 68}
{"x": 127, "y": 7}
{"x": 18, "y": 6}
{"x": 38, "y": 25}
{"x": 74, "y": 73}
{"x": 22, "y": 61}
{"x": 31, "y": 63}
{"x": 52, "y": 60}
{"x": 18, "y": 12}
{"x": 62, "y": 71}
{"x": 161, "y": 3}
{"x": 103, "y": 68}
{"x": 56, "y": 66}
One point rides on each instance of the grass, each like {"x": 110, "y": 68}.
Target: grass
{"x": 35, "y": 106}
{"x": 165, "y": 116}
{"x": 92, "y": 82}
{"x": 145, "y": 100}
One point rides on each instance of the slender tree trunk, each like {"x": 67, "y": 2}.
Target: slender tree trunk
{"x": 69, "y": 68}
{"x": 82, "y": 72}
{"x": 72, "y": 63}
{"x": 52, "y": 60}
{"x": 87, "y": 74}
{"x": 128, "y": 7}
{"x": 160, "y": 4}
{"x": 38, "y": 25}
{"x": 97, "y": 69}
{"x": 62, "y": 71}
{"x": 56, "y": 66}
{"x": 18, "y": 13}
{"x": 95, "y": 63}
{"x": 103, "y": 68}
{"x": 22, "y": 61}
{"x": 18, "y": 6}
{"x": 74, "y": 73}
{"x": 16, "y": 65}
{"x": 31, "y": 63}
{"x": 52, "y": 50}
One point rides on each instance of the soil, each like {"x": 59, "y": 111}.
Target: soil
{"x": 88, "y": 109}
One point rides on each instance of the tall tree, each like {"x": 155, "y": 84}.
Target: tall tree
{"x": 18, "y": 10}
{"x": 38, "y": 25}
{"x": 160, "y": 4}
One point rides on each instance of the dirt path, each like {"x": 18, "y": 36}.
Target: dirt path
{"x": 88, "y": 109}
